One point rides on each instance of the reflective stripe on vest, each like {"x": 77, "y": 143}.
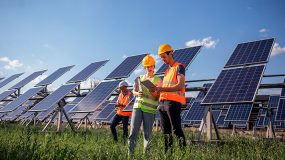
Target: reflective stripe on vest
{"x": 147, "y": 102}
{"x": 169, "y": 80}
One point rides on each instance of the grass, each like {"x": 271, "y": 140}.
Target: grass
{"x": 18, "y": 142}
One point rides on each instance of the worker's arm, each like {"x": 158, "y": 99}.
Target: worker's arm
{"x": 180, "y": 85}
{"x": 136, "y": 91}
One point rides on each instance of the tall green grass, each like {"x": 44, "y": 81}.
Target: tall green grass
{"x": 18, "y": 142}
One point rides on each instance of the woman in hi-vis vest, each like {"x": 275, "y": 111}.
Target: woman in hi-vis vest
{"x": 145, "y": 106}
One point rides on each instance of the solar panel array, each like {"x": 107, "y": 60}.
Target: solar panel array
{"x": 55, "y": 75}
{"x": 184, "y": 56}
{"x": 126, "y": 67}
{"x": 96, "y": 97}
{"x": 53, "y": 98}
{"x": 280, "y": 115}
{"x": 27, "y": 79}
{"x": 6, "y": 94}
{"x": 251, "y": 52}
{"x": 239, "y": 112}
{"x": 235, "y": 85}
{"x": 87, "y": 72}
{"x": 8, "y": 80}
{"x": 21, "y": 99}
{"x": 106, "y": 111}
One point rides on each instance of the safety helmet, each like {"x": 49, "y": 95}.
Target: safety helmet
{"x": 164, "y": 48}
{"x": 148, "y": 61}
{"x": 123, "y": 84}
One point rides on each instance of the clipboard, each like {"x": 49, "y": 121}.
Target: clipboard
{"x": 148, "y": 84}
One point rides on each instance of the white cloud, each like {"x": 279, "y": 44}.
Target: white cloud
{"x": 124, "y": 56}
{"x": 38, "y": 79}
{"x": 277, "y": 49}
{"x": 11, "y": 64}
{"x": 207, "y": 42}
{"x": 263, "y": 30}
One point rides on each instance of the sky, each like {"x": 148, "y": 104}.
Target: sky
{"x": 37, "y": 34}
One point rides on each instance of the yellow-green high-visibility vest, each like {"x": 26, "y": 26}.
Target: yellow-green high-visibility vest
{"x": 147, "y": 103}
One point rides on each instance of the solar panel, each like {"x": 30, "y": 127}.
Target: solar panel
{"x": 129, "y": 107}
{"x": 126, "y": 67}
{"x": 96, "y": 97}
{"x": 27, "y": 79}
{"x": 6, "y": 94}
{"x": 273, "y": 101}
{"x": 1, "y": 78}
{"x": 76, "y": 100}
{"x": 87, "y": 72}
{"x": 110, "y": 117}
{"x": 196, "y": 112}
{"x": 282, "y": 91}
{"x": 280, "y": 115}
{"x": 53, "y": 98}
{"x": 106, "y": 111}
{"x": 55, "y": 75}
{"x": 235, "y": 85}
{"x": 251, "y": 53}
{"x": 239, "y": 112}
{"x": 184, "y": 56}
{"x": 21, "y": 99}
{"x": 13, "y": 115}
{"x": 8, "y": 80}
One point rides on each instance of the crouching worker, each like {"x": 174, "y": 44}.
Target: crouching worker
{"x": 145, "y": 106}
{"x": 122, "y": 101}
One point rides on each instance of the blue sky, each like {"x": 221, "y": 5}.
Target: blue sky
{"x": 37, "y": 34}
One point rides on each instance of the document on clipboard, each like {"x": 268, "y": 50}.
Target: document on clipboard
{"x": 148, "y": 84}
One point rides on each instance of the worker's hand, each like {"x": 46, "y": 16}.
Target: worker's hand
{"x": 158, "y": 89}
{"x": 139, "y": 94}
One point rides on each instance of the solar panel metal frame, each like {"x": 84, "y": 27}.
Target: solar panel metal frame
{"x": 77, "y": 77}
{"x": 238, "y": 106}
{"x": 21, "y": 99}
{"x": 236, "y": 102}
{"x": 54, "y": 76}
{"x": 90, "y": 93}
{"x": 28, "y": 79}
{"x": 37, "y": 107}
{"x": 10, "y": 79}
{"x": 243, "y": 64}
{"x": 130, "y": 105}
{"x": 6, "y": 94}
{"x": 283, "y": 91}
{"x": 191, "y": 60}
{"x": 109, "y": 77}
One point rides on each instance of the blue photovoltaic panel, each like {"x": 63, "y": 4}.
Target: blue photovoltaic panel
{"x": 55, "y": 75}
{"x": 110, "y": 117}
{"x": 8, "y": 80}
{"x": 6, "y": 94}
{"x": 129, "y": 107}
{"x": 251, "y": 52}
{"x": 76, "y": 100}
{"x": 239, "y": 112}
{"x": 2, "y": 78}
{"x": 196, "y": 112}
{"x": 235, "y": 86}
{"x": 184, "y": 56}
{"x": 273, "y": 101}
{"x": 106, "y": 111}
{"x": 68, "y": 107}
{"x": 126, "y": 67}
{"x": 28, "y": 79}
{"x": 96, "y": 97}
{"x": 87, "y": 72}
{"x": 280, "y": 115}
{"x": 13, "y": 115}
{"x": 282, "y": 91}
{"x": 21, "y": 99}
{"x": 53, "y": 98}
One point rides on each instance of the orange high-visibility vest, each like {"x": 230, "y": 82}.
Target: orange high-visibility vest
{"x": 124, "y": 100}
{"x": 169, "y": 80}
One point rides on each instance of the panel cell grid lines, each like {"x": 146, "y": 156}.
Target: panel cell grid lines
{"x": 87, "y": 72}
{"x": 251, "y": 52}
{"x": 280, "y": 115}
{"x": 195, "y": 113}
{"x": 239, "y": 112}
{"x": 96, "y": 97}
{"x": 6, "y": 94}
{"x": 8, "y": 80}
{"x": 21, "y": 99}
{"x": 235, "y": 85}
{"x": 55, "y": 75}
{"x": 106, "y": 111}
{"x": 53, "y": 98}
{"x": 184, "y": 56}
{"x": 28, "y": 79}
{"x": 126, "y": 67}
{"x": 273, "y": 101}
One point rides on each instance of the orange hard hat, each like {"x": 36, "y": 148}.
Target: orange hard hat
{"x": 164, "y": 48}
{"x": 148, "y": 61}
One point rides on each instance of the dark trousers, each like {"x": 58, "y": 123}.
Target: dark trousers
{"x": 171, "y": 120}
{"x": 117, "y": 119}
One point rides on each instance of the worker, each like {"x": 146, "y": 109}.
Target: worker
{"x": 172, "y": 97}
{"x": 123, "y": 100}
{"x": 145, "y": 106}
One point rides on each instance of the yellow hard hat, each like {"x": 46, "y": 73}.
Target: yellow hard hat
{"x": 148, "y": 61}
{"x": 164, "y": 48}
